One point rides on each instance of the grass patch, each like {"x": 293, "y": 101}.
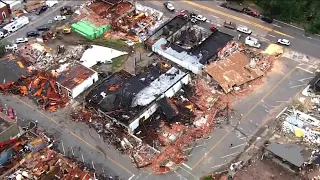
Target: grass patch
{"x": 111, "y": 43}
{"x": 137, "y": 45}
{"x": 117, "y": 62}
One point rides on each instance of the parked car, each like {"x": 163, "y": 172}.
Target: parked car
{"x": 33, "y": 34}
{"x": 252, "y": 42}
{"x": 60, "y": 18}
{"x": 184, "y": 13}
{"x": 11, "y": 47}
{"x": 43, "y": 28}
{"x": 41, "y": 9}
{"x": 193, "y": 20}
{"x": 21, "y": 40}
{"x": 285, "y": 42}
{"x": 11, "y": 114}
{"x": 251, "y": 12}
{"x": 169, "y": 6}
{"x": 244, "y": 29}
{"x": 229, "y": 24}
{"x": 198, "y": 17}
{"x": 213, "y": 28}
{"x": 266, "y": 19}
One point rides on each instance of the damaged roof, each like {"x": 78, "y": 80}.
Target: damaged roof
{"x": 292, "y": 153}
{"x": 122, "y": 96}
{"x": 212, "y": 45}
{"x": 233, "y": 71}
{"x": 74, "y": 76}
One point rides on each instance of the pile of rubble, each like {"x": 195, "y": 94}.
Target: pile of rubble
{"x": 30, "y": 157}
{"x": 39, "y": 86}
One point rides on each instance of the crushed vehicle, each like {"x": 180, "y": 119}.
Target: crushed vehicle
{"x": 11, "y": 113}
{"x": 213, "y": 28}
{"x": 244, "y": 29}
{"x": 21, "y": 40}
{"x": 252, "y": 42}
{"x": 233, "y": 6}
{"x": 169, "y": 6}
{"x": 285, "y": 42}
{"x": 11, "y": 47}
{"x": 229, "y": 24}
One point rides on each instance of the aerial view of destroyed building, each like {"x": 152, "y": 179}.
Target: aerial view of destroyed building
{"x": 159, "y": 90}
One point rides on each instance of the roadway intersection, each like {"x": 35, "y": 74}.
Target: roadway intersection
{"x": 207, "y": 155}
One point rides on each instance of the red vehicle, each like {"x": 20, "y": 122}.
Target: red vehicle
{"x": 10, "y": 113}
{"x": 251, "y": 12}
{"x": 184, "y": 13}
{"x": 213, "y": 28}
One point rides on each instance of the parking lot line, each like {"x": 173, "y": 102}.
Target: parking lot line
{"x": 236, "y": 18}
{"x": 52, "y": 120}
{"x": 249, "y": 112}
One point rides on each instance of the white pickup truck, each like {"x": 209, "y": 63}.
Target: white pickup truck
{"x": 252, "y": 42}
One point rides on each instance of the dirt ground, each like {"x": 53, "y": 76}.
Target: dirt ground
{"x": 265, "y": 170}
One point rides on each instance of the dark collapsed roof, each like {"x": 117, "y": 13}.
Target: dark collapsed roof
{"x": 115, "y": 95}
{"x": 212, "y": 45}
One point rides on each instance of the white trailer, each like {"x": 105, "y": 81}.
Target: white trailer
{"x": 17, "y": 24}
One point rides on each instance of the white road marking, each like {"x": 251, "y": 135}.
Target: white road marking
{"x": 289, "y": 25}
{"x": 196, "y": 10}
{"x": 147, "y": 176}
{"x": 82, "y": 158}
{"x": 185, "y": 165}
{"x": 131, "y": 177}
{"x": 298, "y": 86}
{"x": 92, "y": 165}
{"x": 271, "y": 35}
{"x": 281, "y": 112}
{"x": 277, "y": 25}
{"x": 305, "y": 70}
{"x": 230, "y": 154}
{"x": 139, "y": 175}
{"x": 301, "y": 80}
{"x": 179, "y": 175}
{"x": 189, "y": 173}
{"x": 219, "y": 165}
{"x": 215, "y": 16}
{"x": 238, "y": 145}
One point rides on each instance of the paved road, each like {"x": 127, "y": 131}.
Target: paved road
{"x": 36, "y": 21}
{"x": 271, "y": 32}
{"x": 207, "y": 155}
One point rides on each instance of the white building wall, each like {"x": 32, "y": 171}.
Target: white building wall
{"x": 84, "y": 85}
{"x": 152, "y": 109}
{"x": 186, "y": 65}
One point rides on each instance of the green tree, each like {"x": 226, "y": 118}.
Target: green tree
{"x": 302, "y": 12}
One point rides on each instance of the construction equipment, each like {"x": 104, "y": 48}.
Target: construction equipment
{"x": 63, "y": 29}
{"x": 47, "y": 35}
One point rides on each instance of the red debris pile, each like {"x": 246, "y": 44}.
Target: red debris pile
{"x": 39, "y": 86}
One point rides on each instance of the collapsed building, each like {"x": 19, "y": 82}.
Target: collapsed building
{"x": 131, "y": 99}
{"x": 188, "y": 45}
{"x": 30, "y": 157}
{"x": 97, "y": 17}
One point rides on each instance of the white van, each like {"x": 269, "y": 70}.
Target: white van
{"x": 252, "y": 42}
{"x": 17, "y": 24}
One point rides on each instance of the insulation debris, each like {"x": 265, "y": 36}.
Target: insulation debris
{"x": 39, "y": 86}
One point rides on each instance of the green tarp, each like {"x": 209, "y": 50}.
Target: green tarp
{"x": 89, "y": 30}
